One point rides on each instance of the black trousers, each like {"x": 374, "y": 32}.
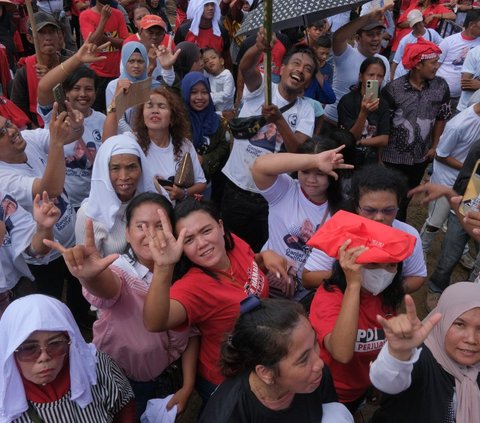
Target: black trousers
{"x": 246, "y": 214}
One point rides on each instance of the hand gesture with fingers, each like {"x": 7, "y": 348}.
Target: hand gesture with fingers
{"x": 405, "y": 331}
{"x": 351, "y": 268}
{"x": 165, "y": 55}
{"x": 87, "y": 53}
{"x": 369, "y": 104}
{"x": 45, "y": 213}
{"x": 165, "y": 249}
{"x": 329, "y": 160}
{"x": 59, "y": 126}
{"x": 432, "y": 192}
{"x": 83, "y": 261}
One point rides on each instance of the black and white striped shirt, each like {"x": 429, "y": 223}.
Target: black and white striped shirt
{"x": 111, "y": 393}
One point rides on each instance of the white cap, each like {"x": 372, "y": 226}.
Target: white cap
{"x": 414, "y": 17}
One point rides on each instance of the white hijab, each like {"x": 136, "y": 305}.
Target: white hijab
{"x": 103, "y": 203}
{"x": 195, "y": 12}
{"x": 23, "y": 317}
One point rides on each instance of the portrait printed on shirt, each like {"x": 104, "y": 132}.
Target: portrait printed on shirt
{"x": 8, "y": 207}
{"x": 82, "y": 156}
{"x": 296, "y": 244}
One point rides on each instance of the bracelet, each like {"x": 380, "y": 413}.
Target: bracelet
{"x": 185, "y": 193}
{"x": 63, "y": 69}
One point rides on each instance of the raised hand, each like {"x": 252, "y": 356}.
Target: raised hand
{"x": 329, "y": 160}
{"x": 87, "y": 53}
{"x": 369, "y": 104}
{"x": 275, "y": 263}
{"x": 83, "y": 261}
{"x": 350, "y": 267}
{"x": 45, "y": 213}
{"x": 165, "y": 55}
{"x": 432, "y": 192}
{"x": 106, "y": 12}
{"x": 261, "y": 40}
{"x": 165, "y": 249}
{"x": 405, "y": 331}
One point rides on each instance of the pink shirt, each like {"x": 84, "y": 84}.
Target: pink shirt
{"x": 120, "y": 332}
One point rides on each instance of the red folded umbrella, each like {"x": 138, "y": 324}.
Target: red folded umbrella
{"x": 385, "y": 244}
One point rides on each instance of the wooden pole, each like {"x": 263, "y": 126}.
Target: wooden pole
{"x": 267, "y": 61}
{"x": 31, "y": 18}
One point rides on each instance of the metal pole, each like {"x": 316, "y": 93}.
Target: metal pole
{"x": 28, "y": 3}
{"x": 267, "y": 61}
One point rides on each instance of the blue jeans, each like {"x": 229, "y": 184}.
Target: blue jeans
{"x": 452, "y": 250}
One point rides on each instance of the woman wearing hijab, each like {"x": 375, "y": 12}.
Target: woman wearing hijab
{"x": 208, "y": 131}
{"x": 120, "y": 171}
{"x": 49, "y": 373}
{"x": 429, "y": 370}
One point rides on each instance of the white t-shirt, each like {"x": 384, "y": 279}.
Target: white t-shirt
{"x": 300, "y": 117}
{"x": 19, "y": 179}
{"x": 471, "y": 65}
{"x": 430, "y": 35}
{"x": 347, "y": 68}
{"x": 163, "y": 163}
{"x": 454, "y": 52}
{"x": 292, "y": 220}
{"x": 222, "y": 90}
{"x": 458, "y": 136}
{"x": 412, "y": 266}
{"x": 78, "y": 171}
{"x": 20, "y": 228}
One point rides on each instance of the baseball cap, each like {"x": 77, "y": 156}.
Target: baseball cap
{"x": 152, "y": 20}
{"x": 373, "y": 25}
{"x": 414, "y": 17}
{"x": 43, "y": 19}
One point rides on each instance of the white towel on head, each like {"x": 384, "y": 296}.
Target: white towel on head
{"x": 23, "y": 317}
{"x": 103, "y": 203}
{"x": 195, "y": 12}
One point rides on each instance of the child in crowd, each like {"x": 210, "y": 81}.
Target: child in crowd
{"x": 221, "y": 81}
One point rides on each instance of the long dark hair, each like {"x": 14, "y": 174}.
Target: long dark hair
{"x": 260, "y": 337}
{"x": 373, "y": 60}
{"x": 392, "y": 296}
{"x": 184, "y": 209}
{"x": 318, "y": 144}
{"x": 179, "y": 126}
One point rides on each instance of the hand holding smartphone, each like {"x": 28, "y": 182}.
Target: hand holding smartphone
{"x": 371, "y": 89}
{"x": 59, "y": 96}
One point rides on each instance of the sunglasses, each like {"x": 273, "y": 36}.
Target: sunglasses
{"x": 31, "y": 352}
{"x": 4, "y": 129}
{"x": 370, "y": 211}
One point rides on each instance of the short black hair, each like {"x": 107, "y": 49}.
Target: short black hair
{"x": 472, "y": 16}
{"x": 79, "y": 73}
{"x": 303, "y": 50}
{"x": 324, "y": 41}
{"x": 318, "y": 23}
{"x": 376, "y": 177}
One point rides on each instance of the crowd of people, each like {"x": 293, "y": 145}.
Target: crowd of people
{"x": 258, "y": 254}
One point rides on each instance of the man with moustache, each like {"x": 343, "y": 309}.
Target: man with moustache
{"x": 420, "y": 105}
{"x": 244, "y": 209}
{"x": 105, "y": 24}
{"x": 368, "y": 30}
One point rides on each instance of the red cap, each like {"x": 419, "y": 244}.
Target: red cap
{"x": 385, "y": 244}
{"x": 152, "y": 20}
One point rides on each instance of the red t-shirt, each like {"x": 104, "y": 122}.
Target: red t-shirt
{"x": 205, "y": 39}
{"x": 351, "y": 380}
{"x": 115, "y": 27}
{"x": 136, "y": 37}
{"x": 214, "y": 305}
{"x": 434, "y": 9}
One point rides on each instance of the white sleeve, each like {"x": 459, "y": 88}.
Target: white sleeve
{"x": 448, "y": 140}
{"x": 391, "y": 375}
{"x": 110, "y": 91}
{"x": 399, "y": 53}
{"x": 306, "y": 118}
{"x": 317, "y": 260}
{"x": 168, "y": 76}
{"x": 471, "y": 62}
{"x": 281, "y": 187}
{"x": 228, "y": 91}
{"x": 415, "y": 264}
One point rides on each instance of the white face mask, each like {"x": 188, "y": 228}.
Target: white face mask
{"x": 376, "y": 280}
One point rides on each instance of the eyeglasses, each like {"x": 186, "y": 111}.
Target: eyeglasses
{"x": 3, "y": 130}
{"x": 370, "y": 211}
{"x": 31, "y": 352}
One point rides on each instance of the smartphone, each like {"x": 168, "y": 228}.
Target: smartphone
{"x": 59, "y": 96}
{"x": 165, "y": 182}
{"x": 371, "y": 89}
{"x": 471, "y": 198}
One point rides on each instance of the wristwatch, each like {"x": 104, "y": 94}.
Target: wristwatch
{"x": 111, "y": 108}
